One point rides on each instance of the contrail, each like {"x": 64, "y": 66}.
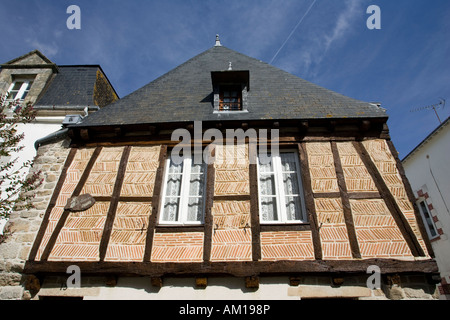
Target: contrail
{"x": 290, "y": 35}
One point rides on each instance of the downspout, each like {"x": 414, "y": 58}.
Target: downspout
{"x": 51, "y": 137}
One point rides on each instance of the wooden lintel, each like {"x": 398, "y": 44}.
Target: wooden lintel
{"x": 238, "y": 269}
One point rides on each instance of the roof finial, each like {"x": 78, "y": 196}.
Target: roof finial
{"x": 230, "y": 66}
{"x": 217, "y": 41}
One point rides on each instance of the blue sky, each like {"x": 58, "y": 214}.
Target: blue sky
{"x": 405, "y": 65}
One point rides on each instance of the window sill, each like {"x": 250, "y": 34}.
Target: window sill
{"x": 179, "y": 228}
{"x": 229, "y": 112}
{"x": 285, "y": 227}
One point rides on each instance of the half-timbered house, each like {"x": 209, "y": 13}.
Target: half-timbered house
{"x": 331, "y": 208}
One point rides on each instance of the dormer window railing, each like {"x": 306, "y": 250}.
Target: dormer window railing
{"x": 230, "y": 98}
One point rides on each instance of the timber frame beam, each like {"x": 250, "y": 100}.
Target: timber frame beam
{"x": 238, "y": 269}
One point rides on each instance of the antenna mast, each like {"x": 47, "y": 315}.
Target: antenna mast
{"x": 434, "y": 107}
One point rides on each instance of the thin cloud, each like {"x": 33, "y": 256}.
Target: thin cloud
{"x": 292, "y": 32}
{"x": 343, "y": 22}
{"x": 322, "y": 37}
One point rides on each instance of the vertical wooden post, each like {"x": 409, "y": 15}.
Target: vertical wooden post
{"x": 309, "y": 200}
{"x": 207, "y": 239}
{"x": 109, "y": 223}
{"x": 348, "y": 217}
{"x": 155, "y": 203}
{"x": 254, "y": 204}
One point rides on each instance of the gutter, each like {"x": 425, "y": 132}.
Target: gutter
{"x": 51, "y": 137}
{"x": 64, "y": 131}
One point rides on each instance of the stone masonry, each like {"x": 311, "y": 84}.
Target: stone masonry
{"x": 24, "y": 225}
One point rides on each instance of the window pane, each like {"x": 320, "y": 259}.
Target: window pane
{"x": 196, "y": 185}
{"x": 269, "y": 209}
{"x": 195, "y": 209}
{"x": 267, "y": 184}
{"x": 171, "y": 209}
{"x": 290, "y": 182}
{"x": 267, "y": 167}
{"x": 175, "y": 168}
{"x": 293, "y": 208}
{"x": 17, "y": 85}
{"x": 288, "y": 161}
{"x": 173, "y": 185}
{"x": 428, "y": 219}
{"x": 12, "y": 95}
{"x": 197, "y": 168}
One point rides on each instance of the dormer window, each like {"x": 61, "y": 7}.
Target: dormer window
{"x": 230, "y": 98}
{"x": 230, "y": 89}
{"x": 19, "y": 89}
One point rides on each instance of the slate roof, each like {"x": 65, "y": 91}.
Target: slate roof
{"x": 185, "y": 94}
{"x": 71, "y": 86}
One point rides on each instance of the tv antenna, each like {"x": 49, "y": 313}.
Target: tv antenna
{"x": 433, "y": 107}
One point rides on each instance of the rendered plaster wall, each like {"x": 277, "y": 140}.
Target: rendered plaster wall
{"x": 428, "y": 172}
{"x": 232, "y": 288}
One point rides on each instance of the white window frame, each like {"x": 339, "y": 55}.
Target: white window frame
{"x": 419, "y": 201}
{"x": 280, "y": 194}
{"x": 25, "y": 87}
{"x": 184, "y": 195}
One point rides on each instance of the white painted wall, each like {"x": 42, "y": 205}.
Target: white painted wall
{"x": 433, "y": 159}
{"x": 218, "y": 288}
{"x": 39, "y": 128}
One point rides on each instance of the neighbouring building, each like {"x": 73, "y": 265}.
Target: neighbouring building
{"x": 144, "y": 205}
{"x": 55, "y": 92}
{"x": 428, "y": 171}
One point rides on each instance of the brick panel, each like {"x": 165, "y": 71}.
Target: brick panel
{"x": 73, "y": 175}
{"x": 333, "y": 230}
{"x": 80, "y": 237}
{"x": 357, "y": 177}
{"x": 127, "y": 242}
{"x": 377, "y": 233}
{"x": 287, "y": 245}
{"x": 141, "y": 172}
{"x": 177, "y": 247}
{"x": 232, "y": 170}
{"x": 104, "y": 172}
{"x": 231, "y": 214}
{"x": 321, "y": 167}
{"x": 387, "y": 166}
{"x": 231, "y": 245}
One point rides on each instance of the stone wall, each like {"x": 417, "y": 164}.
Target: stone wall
{"x": 24, "y": 225}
